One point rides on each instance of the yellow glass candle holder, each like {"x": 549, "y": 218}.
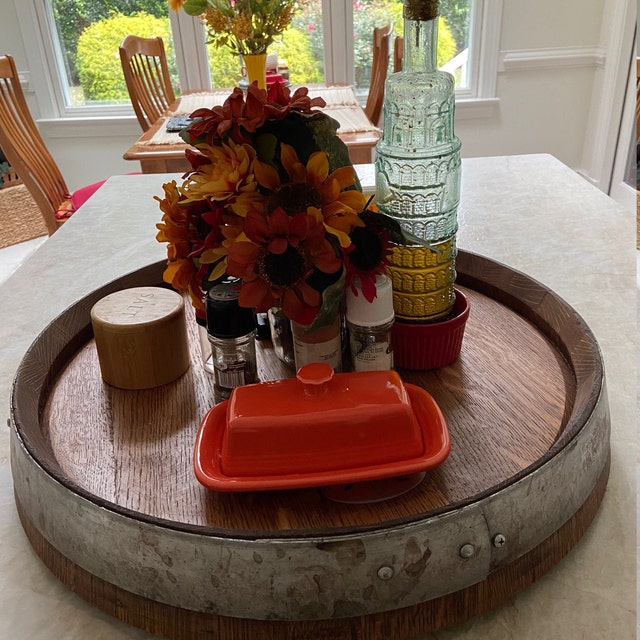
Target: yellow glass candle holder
{"x": 423, "y": 279}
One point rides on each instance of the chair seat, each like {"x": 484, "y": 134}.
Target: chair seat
{"x": 71, "y": 204}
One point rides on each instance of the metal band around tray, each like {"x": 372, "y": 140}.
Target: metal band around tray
{"x": 276, "y": 578}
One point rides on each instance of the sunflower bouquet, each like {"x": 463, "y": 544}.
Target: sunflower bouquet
{"x": 244, "y": 26}
{"x": 273, "y": 200}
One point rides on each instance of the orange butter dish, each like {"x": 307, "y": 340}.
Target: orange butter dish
{"x": 318, "y": 429}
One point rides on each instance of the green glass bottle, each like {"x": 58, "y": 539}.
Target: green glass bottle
{"x": 418, "y": 164}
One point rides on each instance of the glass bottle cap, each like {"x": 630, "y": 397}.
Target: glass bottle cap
{"x": 421, "y": 9}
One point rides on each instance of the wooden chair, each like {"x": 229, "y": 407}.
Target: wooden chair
{"x": 146, "y": 73}
{"x": 379, "y": 66}
{"x": 28, "y": 155}
{"x": 398, "y": 53}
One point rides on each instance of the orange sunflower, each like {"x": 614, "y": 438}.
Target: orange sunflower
{"x": 311, "y": 185}
{"x": 277, "y": 258}
{"x": 175, "y": 229}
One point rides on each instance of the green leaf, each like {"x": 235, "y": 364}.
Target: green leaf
{"x": 397, "y": 234}
{"x": 332, "y": 298}
{"x": 266, "y": 145}
{"x": 195, "y": 7}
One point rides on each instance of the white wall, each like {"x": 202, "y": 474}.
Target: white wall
{"x": 552, "y": 71}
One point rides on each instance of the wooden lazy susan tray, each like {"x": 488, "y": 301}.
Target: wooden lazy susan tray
{"x": 106, "y": 492}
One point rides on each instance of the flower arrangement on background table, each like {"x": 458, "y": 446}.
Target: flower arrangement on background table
{"x": 273, "y": 200}
{"x": 245, "y": 26}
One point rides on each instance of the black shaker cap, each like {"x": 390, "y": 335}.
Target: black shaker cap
{"x": 225, "y": 317}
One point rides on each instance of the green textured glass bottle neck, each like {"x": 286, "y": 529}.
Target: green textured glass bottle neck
{"x": 420, "y": 45}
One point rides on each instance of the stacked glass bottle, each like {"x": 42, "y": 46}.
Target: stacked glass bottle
{"x": 418, "y": 171}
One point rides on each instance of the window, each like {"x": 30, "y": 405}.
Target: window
{"x": 329, "y": 40}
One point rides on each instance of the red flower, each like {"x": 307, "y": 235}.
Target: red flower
{"x": 367, "y": 257}
{"x": 239, "y": 118}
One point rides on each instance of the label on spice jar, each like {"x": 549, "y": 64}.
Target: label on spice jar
{"x": 329, "y": 351}
{"x": 369, "y": 355}
{"x": 234, "y": 374}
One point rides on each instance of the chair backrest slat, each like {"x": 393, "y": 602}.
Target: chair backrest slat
{"x": 25, "y": 149}
{"x": 398, "y": 53}
{"x": 146, "y": 72}
{"x": 379, "y": 67}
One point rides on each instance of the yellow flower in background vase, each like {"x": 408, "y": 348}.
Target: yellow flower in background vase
{"x": 245, "y": 26}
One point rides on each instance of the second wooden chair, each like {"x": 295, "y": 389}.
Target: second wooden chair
{"x": 379, "y": 67}
{"x": 146, "y": 72}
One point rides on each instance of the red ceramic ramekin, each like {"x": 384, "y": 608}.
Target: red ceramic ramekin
{"x": 430, "y": 345}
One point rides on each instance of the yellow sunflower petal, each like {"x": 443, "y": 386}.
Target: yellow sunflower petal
{"x": 295, "y": 169}
{"x": 353, "y": 199}
{"x": 318, "y": 168}
{"x": 343, "y": 238}
{"x": 209, "y": 256}
{"x": 266, "y": 175}
{"x": 219, "y": 270}
{"x": 330, "y": 190}
{"x": 346, "y": 176}
{"x": 344, "y": 221}
{"x": 248, "y": 201}
{"x": 337, "y": 208}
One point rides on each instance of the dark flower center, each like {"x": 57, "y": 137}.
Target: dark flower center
{"x": 294, "y": 198}
{"x": 368, "y": 251}
{"x": 284, "y": 269}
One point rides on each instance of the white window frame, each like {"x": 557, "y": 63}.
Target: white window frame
{"x": 46, "y": 78}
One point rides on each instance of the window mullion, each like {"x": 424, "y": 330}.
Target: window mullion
{"x": 337, "y": 16}
{"x": 191, "y": 51}
{"x": 485, "y": 47}
{"x": 36, "y": 25}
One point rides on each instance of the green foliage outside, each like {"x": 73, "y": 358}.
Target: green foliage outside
{"x": 296, "y": 49}
{"x": 74, "y": 16}
{"x": 94, "y": 64}
{"x": 98, "y": 61}
{"x": 457, "y": 13}
{"x": 369, "y": 14}
{"x": 225, "y": 66}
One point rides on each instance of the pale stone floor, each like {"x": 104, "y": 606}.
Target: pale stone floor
{"x": 12, "y": 257}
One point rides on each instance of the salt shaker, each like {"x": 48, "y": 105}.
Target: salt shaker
{"x": 369, "y": 325}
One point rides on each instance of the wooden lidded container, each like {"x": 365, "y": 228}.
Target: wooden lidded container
{"x": 141, "y": 337}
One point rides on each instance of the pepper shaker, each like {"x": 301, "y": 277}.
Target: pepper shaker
{"x": 232, "y": 332}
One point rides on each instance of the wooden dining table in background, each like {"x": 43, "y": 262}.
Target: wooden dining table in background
{"x": 160, "y": 151}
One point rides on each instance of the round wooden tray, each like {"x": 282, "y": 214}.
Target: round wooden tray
{"x": 106, "y": 492}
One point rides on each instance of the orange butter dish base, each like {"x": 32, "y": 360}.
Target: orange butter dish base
{"x": 319, "y": 429}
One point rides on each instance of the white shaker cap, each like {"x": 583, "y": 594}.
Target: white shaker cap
{"x": 367, "y": 314}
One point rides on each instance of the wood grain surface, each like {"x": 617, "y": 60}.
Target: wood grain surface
{"x": 528, "y": 375}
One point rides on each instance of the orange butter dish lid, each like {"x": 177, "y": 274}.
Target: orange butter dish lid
{"x": 317, "y": 429}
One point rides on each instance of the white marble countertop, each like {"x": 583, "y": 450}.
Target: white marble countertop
{"x": 529, "y": 212}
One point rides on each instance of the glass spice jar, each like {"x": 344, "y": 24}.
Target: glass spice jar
{"x": 369, "y": 325}
{"x": 323, "y": 344}
{"x": 232, "y": 332}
